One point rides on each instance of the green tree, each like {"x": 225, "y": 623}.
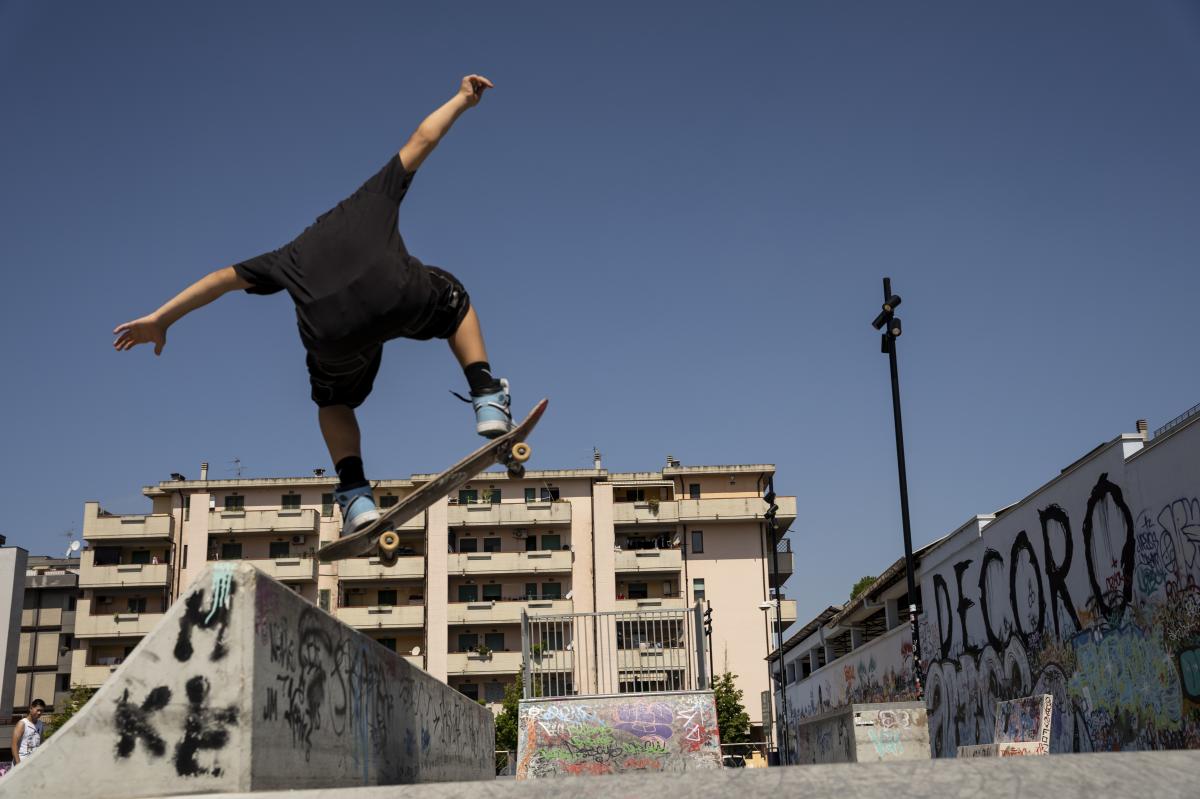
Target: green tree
{"x": 79, "y": 697}
{"x": 733, "y": 721}
{"x": 862, "y": 585}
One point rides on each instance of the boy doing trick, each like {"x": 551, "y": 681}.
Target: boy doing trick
{"x": 355, "y": 286}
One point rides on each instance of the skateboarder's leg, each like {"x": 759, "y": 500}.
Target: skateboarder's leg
{"x": 467, "y": 342}
{"x": 339, "y": 426}
{"x": 489, "y": 395}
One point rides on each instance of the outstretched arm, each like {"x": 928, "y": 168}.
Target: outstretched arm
{"x": 153, "y": 328}
{"x": 435, "y": 126}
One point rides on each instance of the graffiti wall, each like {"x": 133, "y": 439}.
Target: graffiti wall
{"x": 1086, "y": 591}
{"x": 864, "y": 733}
{"x": 246, "y": 686}
{"x": 609, "y": 735}
{"x": 880, "y": 671}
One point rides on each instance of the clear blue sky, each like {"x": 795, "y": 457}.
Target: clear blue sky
{"x": 673, "y": 217}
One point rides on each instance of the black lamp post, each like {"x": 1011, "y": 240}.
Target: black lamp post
{"x": 773, "y": 526}
{"x": 889, "y": 323}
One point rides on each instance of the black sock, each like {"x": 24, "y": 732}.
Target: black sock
{"x": 350, "y": 473}
{"x": 479, "y": 378}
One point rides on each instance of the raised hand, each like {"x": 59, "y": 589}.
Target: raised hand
{"x": 140, "y": 331}
{"x": 472, "y": 88}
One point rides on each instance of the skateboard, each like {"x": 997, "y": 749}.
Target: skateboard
{"x": 510, "y": 450}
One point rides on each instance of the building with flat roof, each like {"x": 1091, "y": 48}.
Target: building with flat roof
{"x": 551, "y": 542}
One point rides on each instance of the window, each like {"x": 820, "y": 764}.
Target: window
{"x": 697, "y": 541}
{"x": 494, "y": 641}
{"x": 387, "y": 643}
{"x": 290, "y": 502}
{"x": 71, "y": 602}
{"x": 693, "y": 491}
{"x": 137, "y": 604}
{"x": 492, "y": 592}
{"x": 64, "y": 682}
{"x": 551, "y": 590}
{"x": 279, "y": 549}
{"x": 531, "y": 590}
{"x": 106, "y": 556}
{"x": 698, "y": 589}
{"x": 551, "y": 541}
{"x": 388, "y": 500}
{"x": 470, "y": 690}
{"x": 141, "y": 556}
{"x": 492, "y": 496}
{"x": 552, "y": 640}
{"x": 467, "y": 642}
{"x": 493, "y": 692}
{"x": 327, "y": 505}
{"x": 531, "y": 543}
{"x": 323, "y": 599}
{"x": 387, "y": 596}
{"x": 231, "y": 551}
{"x": 468, "y": 545}
{"x": 638, "y": 591}
{"x": 234, "y": 502}
{"x": 468, "y": 593}
{"x": 468, "y": 496}
{"x": 531, "y": 495}
{"x": 491, "y": 545}
{"x": 550, "y": 494}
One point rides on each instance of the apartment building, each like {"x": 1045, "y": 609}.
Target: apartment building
{"x": 552, "y": 542}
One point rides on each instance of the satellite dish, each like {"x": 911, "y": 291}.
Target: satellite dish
{"x": 570, "y": 594}
{"x": 72, "y": 548}
{"x": 416, "y": 650}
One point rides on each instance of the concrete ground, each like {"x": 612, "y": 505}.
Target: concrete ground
{"x": 1161, "y": 775}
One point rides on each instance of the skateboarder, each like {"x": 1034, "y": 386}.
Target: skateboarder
{"x": 355, "y": 286}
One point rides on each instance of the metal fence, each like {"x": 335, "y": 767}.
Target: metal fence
{"x": 623, "y": 652}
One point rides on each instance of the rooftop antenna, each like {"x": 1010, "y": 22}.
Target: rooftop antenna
{"x": 237, "y": 467}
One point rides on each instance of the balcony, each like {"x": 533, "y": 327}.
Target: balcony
{"x": 649, "y": 560}
{"x": 115, "y": 625}
{"x": 462, "y": 663}
{"x": 405, "y": 568}
{"x": 651, "y": 603}
{"x": 645, "y": 513}
{"x": 510, "y": 514}
{"x": 511, "y": 562}
{"x": 302, "y": 521}
{"x": 127, "y": 575}
{"x": 99, "y": 526}
{"x": 382, "y": 616}
{"x": 488, "y": 612}
{"x": 733, "y": 509}
{"x": 787, "y": 610}
{"x": 288, "y": 570}
{"x": 91, "y": 676}
{"x": 653, "y": 658}
{"x": 784, "y": 559}
{"x": 416, "y": 660}
{"x": 44, "y": 617}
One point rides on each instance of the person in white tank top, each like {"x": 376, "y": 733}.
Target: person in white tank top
{"x": 27, "y": 734}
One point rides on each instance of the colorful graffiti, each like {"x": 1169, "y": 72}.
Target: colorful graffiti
{"x": 672, "y": 732}
{"x": 1097, "y": 606}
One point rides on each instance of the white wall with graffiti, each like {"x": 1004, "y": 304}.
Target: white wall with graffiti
{"x": 1086, "y": 590}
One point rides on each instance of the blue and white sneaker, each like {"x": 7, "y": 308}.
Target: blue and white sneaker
{"x": 358, "y": 508}
{"x": 493, "y": 414}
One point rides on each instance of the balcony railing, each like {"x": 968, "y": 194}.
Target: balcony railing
{"x": 98, "y": 525}
{"x": 115, "y": 625}
{"x": 509, "y": 514}
{"x": 459, "y": 663}
{"x": 511, "y": 562}
{"x": 300, "y": 521}
{"x": 127, "y": 575}
{"x": 291, "y": 569}
{"x": 651, "y": 603}
{"x": 699, "y": 510}
{"x": 504, "y": 612}
{"x": 405, "y": 568}
{"x": 645, "y": 513}
{"x": 649, "y": 560}
{"x": 382, "y": 616}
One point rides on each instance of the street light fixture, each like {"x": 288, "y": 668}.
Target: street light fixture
{"x": 888, "y": 319}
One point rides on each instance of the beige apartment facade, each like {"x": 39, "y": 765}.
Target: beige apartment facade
{"x": 552, "y": 542}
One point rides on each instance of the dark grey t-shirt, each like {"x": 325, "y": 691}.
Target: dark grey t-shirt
{"x": 352, "y": 280}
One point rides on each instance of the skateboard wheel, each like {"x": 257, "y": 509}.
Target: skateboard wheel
{"x": 389, "y": 542}
{"x": 521, "y": 452}
{"x": 516, "y": 471}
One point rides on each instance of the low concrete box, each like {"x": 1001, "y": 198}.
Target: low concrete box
{"x": 865, "y": 733}
{"x": 674, "y": 731}
{"x": 246, "y": 686}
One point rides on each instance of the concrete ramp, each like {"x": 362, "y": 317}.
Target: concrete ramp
{"x": 245, "y": 686}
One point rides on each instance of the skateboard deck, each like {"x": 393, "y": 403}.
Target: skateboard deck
{"x": 510, "y": 450}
